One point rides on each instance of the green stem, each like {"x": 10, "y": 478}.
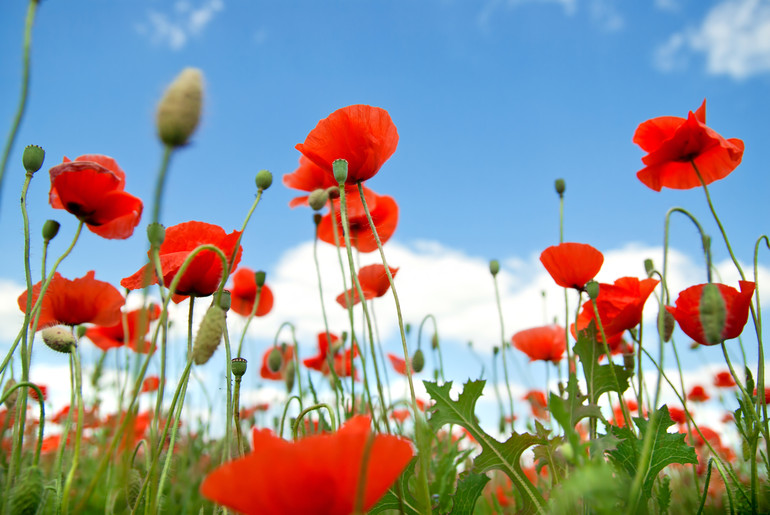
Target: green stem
{"x": 286, "y": 410}
{"x": 161, "y": 181}
{"x": 760, "y": 349}
{"x": 503, "y": 345}
{"x": 78, "y": 433}
{"x": 314, "y": 407}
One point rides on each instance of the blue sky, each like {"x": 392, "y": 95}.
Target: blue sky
{"x": 493, "y": 100}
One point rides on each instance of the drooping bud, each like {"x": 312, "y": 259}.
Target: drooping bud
{"x": 10, "y": 401}
{"x": 560, "y": 186}
{"x": 649, "y": 267}
{"x": 238, "y": 366}
{"x": 179, "y": 110}
{"x": 669, "y": 322}
{"x": 592, "y": 289}
{"x": 494, "y": 267}
{"x": 50, "y": 229}
{"x": 275, "y": 360}
{"x": 264, "y": 179}
{"x": 259, "y": 278}
{"x": 289, "y": 376}
{"x": 434, "y": 341}
{"x": 340, "y": 169}
{"x": 59, "y": 338}
{"x": 156, "y": 233}
{"x": 318, "y": 199}
{"x": 26, "y": 495}
{"x": 713, "y": 314}
{"x": 33, "y": 158}
{"x": 209, "y": 334}
{"x": 418, "y": 361}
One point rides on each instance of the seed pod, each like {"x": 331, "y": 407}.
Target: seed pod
{"x": 494, "y": 267}
{"x": 50, "y": 229}
{"x": 592, "y": 289}
{"x": 209, "y": 334}
{"x": 238, "y": 366}
{"x": 59, "y": 338}
{"x": 340, "y": 169}
{"x": 156, "y": 233}
{"x": 264, "y": 179}
{"x": 259, "y": 278}
{"x": 560, "y": 186}
{"x": 28, "y": 492}
{"x": 179, "y": 110}
{"x": 418, "y": 361}
{"x": 32, "y": 158}
{"x": 10, "y": 401}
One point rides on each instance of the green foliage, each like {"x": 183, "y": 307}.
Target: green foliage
{"x": 469, "y": 488}
{"x": 503, "y": 456}
{"x": 663, "y": 494}
{"x": 594, "y": 485}
{"x": 600, "y": 378}
{"x": 398, "y": 497}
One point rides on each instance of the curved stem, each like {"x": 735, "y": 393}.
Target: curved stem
{"x": 307, "y": 410}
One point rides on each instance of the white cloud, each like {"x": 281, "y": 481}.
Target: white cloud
{"x": 603, "y": 13}
{"x": 185, "y": 20}
{"x": 734, "y": 38}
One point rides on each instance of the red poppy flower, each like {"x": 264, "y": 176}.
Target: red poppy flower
{"x": 672, "y": 143}
{"x": 244, "y": 292}
{"x": 203, "y": 275}
{"x": 399, "y": 364}
{"x": 138, "y": 323}
{"x": 287, "y": 354}
{"x": 374, "y": 283}
{"x": 51, "y": 444}
{"x": 546, "y": 343}
{"x": 572, "y": 265}
{"x": 76, "y": 302}
{"x": 620, "y": 306}
{"x": 43, "y": 390}
{"x": 538, "y": 403}
{"x": 724, "y": 380}
{"x": 677, "y": 415}
{"x": 384, "y": 211}
{"x": 687, "y": 312}
{"x": 249, "y": 412}
{"x": 698, "y": 394}
{"x": 767, "y": 394}
{"x": 363, "y": 135}
{"x": 319, "y": 362}
{"x": 318, "y": 474}
{"x": 308, "y": 177}
{"x": 91, "y": 188}
{"x": 150, "y": 384}
{"x": 343, "y": 363}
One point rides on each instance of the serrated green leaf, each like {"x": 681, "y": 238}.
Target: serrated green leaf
{"x": 561, "y": 408}
{"x": 600, "y": 378}
{"x": 666, "y": 448}
{"x": 398, "y": 497}
{"x": 503, "y": 456}
{"x": 663, "y": 494}
{"x": 469, "y": 488}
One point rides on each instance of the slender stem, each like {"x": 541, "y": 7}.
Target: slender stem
{"x": 161, "y": 181}
{"x": 314, "y": 407}
{"x": 78, "y": 432}
{"x": 762, "y": 404}
{"x": 503, "y": 345}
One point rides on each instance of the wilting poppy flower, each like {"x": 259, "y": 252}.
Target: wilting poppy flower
{"x": 318, "y": 474}
{"x": 698, "y": 394}
{"x": 244, "y": 292}
{"x": 287, "y": 354}
{"x": 91, "y": 188}
{"x": 546, "y": 343}
{"x": 202, "y": 276}
{"x": 619, "y": 304}
{"x": 673, "y": 143}
{"x": 138, "y": 323}
{"x": 687, "y": 312}
{"x": 150, "y": 384}
{"x": 384, "y": 211}
{"x": 399, "y": 364}
{"x": 538, "y": 403}
{"x": 374, "y": 283}
{"x": 363, "y": 135}
{"x": 75, "y": 302}
{"x": 572, "y": 265}
{"x": 308, "y": 177}
{"x": 724, "y": 380}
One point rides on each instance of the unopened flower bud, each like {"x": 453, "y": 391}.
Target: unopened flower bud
{"x": 259, "y": 278}
{"x": 494, "y": 267}
{"x": 713, "y": 314}
{"x": 418, "y": 361}
{"x": 669, "y": 322}
{"x": 560, "y": 186}
{"x": 179, "y": 110}
{"x": 340, "y": 169}
{"x": 649, "y": 267}
{"x": 10, "y": 401}
{"x": 50, "y": 229}
{"x": 209, "y": 334}
{"x": 289, "y": 376}
{"x": 156, "y": 233}
{"x": 28, "y": 492}
{"x": 318, "y": 199}
{"x": 238, "y": 366}
{"x": 59, "y": 338}
{"x": 275, "y": 360}
{"x": 225, "y": 300}
{"x": 32, "y": 158}
{"x": 434, "y": 341}
{"x": 264, "y": 179}
{"x": 592, "y": 289}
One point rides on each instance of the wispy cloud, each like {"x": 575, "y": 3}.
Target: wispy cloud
{"x": 185, "y": 20}
{"x": 602, "y": 13}
{"x": 734, "y": 38}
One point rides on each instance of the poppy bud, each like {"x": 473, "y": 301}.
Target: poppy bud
{"x": 648, "y": 266}
{"x": 50, "y": 229}
{"x": 418, "y": 361}
{"x": 225, "y": 300}
{"x": 238, "y": 366}
{"x": 28, "y": 491}
{"x": 10, "y": 401}
{"x": 179, "y": 110}
{"x": 209, "y": 334}
{"x": 494, "y": 267}
{"x": 318, "y": 199}
{"x": 289, "y": 376}
{"x": 560, "y": 186}
{"x": 259, "y": 278}
{"x": 340, "y": 169}
{"x": 495, "y": 350}
{"x": 669, "y": 322}
{"x": 408, "y": 328}
{"x": 32, "y": 158}
{"x": 156, "y": 233}
{"x": 59, "y": 338}
{"x": 592, "y": 289}
{"x": 317, "y": 218}
{"x": 275, "y": 360}
{"x": 264, "y": 179}
{"x": 713, "y": 314}
{"x": 434, "y": 341}
{"x": 133, "y": 487}
{"x": 333, "y": 192}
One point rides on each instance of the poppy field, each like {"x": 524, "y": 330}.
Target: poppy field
{"x": 597, "y": 439}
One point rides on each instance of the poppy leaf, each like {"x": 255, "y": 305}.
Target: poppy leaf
{"x": 574, "y": 404}
{"x": 398, "y": 497}
{"x": 469, "y": 488}
{"x": 504, "y": 456}
{"x": 600, "y": 378}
